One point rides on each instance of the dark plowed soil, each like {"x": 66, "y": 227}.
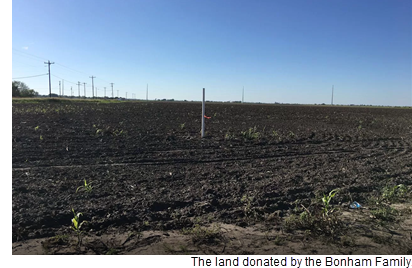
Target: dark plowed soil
{"x": 151, "y": 171}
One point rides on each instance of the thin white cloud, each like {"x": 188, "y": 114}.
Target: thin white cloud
{"x": 25, "y": 48}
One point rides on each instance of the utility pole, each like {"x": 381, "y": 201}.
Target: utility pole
{"x": 84, "y": 89}
{"x": 147, "y": 92}
{"x": 48, "y": 63}
{"x": 78, "y": 85}
{"x": 203, "y": 114}
{"x": 63, "y": 87}
{"x": 332, "y": 95}
{"x": 60, "y": 89}
{"x": 92, "y": 85}
{"x": 117, "y": 93}
{"x": 126, "y": 95}
{"x": 71, "y": 90}
{"x": 243, "y": 95}
{"x": 112, "y": 89}
{"x": 105, "y": 92}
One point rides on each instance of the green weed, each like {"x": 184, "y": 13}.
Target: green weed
{"x": 229, "y": 136}
{"x": 87, "y": 187}
{"x": 248, "y": 209}
{"x": 291, "y": 135}
{"x": 202, "y": 235}
{"x": 55, "y": 242}
{"x": 251, "y": 134}
{"x": 394, "y": 193}
{"x": 385, "y": 213}
{"x": 104, "y": 131}
{"x": 317, "y": 218}
{"x": 112, "y": 251}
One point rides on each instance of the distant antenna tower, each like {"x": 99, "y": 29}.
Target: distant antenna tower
{"x": 332, "y": 95}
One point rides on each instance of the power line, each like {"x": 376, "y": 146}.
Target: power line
{"x": 29, "y": 76}
{"x": 29, "y": 54}
{"x": 103, "y": 80}
{"x": 71, "y": 69}
{"x": 65, "y": 80}
{"x": 25, "y": 64}
{"x": 74, "y": 83}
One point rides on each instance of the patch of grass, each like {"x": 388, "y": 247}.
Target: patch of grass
{"x": 183, "y": 248}
{"x": 278, "y": 241}
{"x": 112, "y": 251}
{"x": 55, "y": 241}
{"x": 347, "y": 241}
{"x": 251, "y": 134}
{"x": 394, "y": 193}
{"x": 385, "y": 213}
{"x": 202, "y": 235}
{"x": 109, "y": 131}
{"x": 276, "y": 135}
{"x": 168, "y": 248}
{"x": 229, "y": 136}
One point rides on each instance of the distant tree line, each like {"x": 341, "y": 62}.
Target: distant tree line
{"x": 20, "y": 89}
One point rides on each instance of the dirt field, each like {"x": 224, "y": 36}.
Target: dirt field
{"x": 253, "y": 185}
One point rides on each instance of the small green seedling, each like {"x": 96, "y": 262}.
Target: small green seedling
{"x": 326, "y": 200}
{"x": 395, "y": 192}
{"x": 77, "y": 225}
{"x": 229, "y": 136}
{"x": 87, "y": 187}
{"x": 251, "y": 133}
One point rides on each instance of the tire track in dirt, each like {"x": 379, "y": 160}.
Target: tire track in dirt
{"x": 205, "y": 156}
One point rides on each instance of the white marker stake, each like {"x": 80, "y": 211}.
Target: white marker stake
{"x": 203, "y": 114}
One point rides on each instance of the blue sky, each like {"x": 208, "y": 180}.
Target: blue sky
{"x": 289, "y": 51}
